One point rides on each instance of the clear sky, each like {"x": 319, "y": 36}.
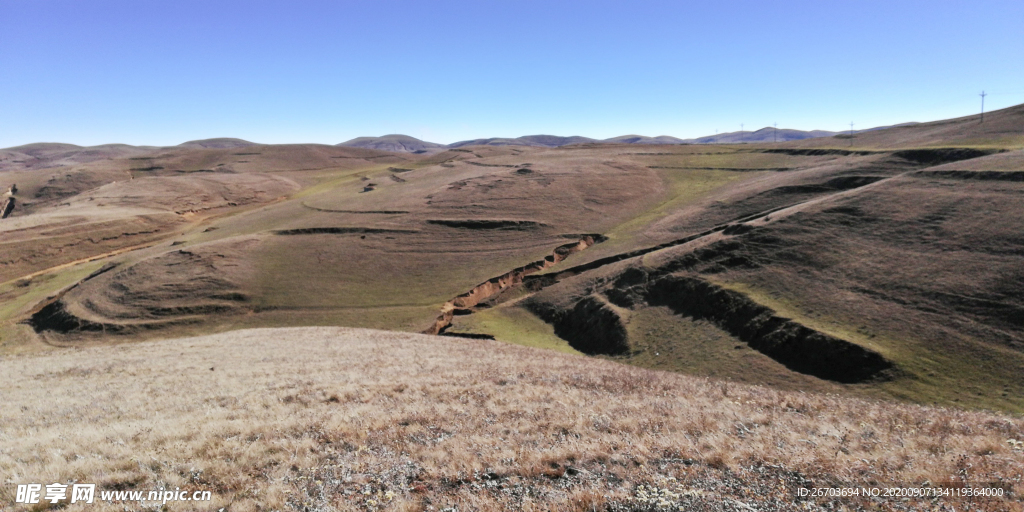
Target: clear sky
{"x": 163, "y": 72}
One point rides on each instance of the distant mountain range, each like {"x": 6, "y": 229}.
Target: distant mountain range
{"x": 407, "y": 144}
{"x": 641, "y": 139}
{"x": 551, "y": 141}
{"x": 66, "y": 154}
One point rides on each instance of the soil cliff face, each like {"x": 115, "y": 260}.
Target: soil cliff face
{"x": 7, "y": 208}
{"x": 495, "y": 285}
{"x": 591, "y": 325}
{"x": 796, "y": 346}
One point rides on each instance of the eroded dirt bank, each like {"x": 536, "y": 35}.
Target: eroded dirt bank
{"x": 483, "y": 291}
{"x": 796, "y": 346}
{"x": 7, "y": 208}
{"x": 593, "y": 326}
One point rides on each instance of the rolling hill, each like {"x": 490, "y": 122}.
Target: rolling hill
{"x": 587, "y": 326}
{"x": 395, "y": 143}
{"x": 888, "y": 269}
{"x": 550, "y": 141}
{"x": 641, "y": 139}
{"x": 220, "y": 143}
{"x": 767, "y": 134}
{"x": 407, "y": 144}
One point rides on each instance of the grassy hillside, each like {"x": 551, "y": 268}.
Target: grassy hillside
{"x": 898, "y": 250}
{"x": 344, "y": 419}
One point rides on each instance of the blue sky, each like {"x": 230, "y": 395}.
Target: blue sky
{"x": 163, "y": 72}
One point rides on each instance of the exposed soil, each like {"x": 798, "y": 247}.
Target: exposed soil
{"x": 535, "y": 283}
{"x": 496, "y": 285}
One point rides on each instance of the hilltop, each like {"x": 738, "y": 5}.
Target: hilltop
{"x": 550, "y": 141}
{"x": 767, "y": 134}
{"x": 641, "y": 139}
{"x": 220, "y": 143}
{"x": 395, "y": 143}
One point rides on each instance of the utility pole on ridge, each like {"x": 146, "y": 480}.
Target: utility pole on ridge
{"x": 982, "y": 106}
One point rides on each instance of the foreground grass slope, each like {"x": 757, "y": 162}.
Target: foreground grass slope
{"x": 348, "y": 419}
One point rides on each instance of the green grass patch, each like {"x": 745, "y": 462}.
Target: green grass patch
{"x": 685, "y": 187}
{"x": 976, "y": 374}
{"x": 662, "y": 340}
{"x": 340, "y": 271}
{"x": 516, "y": 325}
{"x": 18, "y": 297}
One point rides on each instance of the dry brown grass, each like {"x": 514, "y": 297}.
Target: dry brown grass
{"x": 347, "y": 419}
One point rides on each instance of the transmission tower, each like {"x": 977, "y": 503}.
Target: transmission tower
{"x": 983, "y": 105}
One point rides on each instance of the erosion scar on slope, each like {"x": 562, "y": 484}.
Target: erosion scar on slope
{"x": 480, "y": 293}
{"x": 496, "y": 285}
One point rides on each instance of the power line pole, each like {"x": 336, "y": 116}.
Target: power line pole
{"x": 775, "y": 134}
{"x": 851, "y": 134}
{"x": 983, "y": 105}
